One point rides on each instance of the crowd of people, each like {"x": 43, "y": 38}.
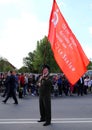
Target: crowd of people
{"x": 43, "y": 85}
{"x": 27, "y": 84}
{"x": 62, "y": 86}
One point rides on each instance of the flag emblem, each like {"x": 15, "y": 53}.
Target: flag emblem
{"x": 67, "y": 50}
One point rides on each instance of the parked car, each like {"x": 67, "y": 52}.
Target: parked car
{"x": 89, "y": 73}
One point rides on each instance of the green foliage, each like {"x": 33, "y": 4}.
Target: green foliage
{"x": 28, "y": 61}
{"x": 5, "y": 65}
{"x": 90, "y": 66}
{"x": 42, "y": 55}
{"x": 34, "y": 61}
{"x": 23, "y": 70}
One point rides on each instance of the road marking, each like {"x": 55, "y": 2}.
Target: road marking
{"x": 54, "y": 120}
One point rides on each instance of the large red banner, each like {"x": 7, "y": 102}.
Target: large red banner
{"x": 68, "y": 52}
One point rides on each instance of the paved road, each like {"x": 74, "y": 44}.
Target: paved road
{"x": 68, "y": 113}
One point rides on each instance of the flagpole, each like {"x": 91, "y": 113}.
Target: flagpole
{"x": 44, "y": 60}
{"x": 45, "y": 50}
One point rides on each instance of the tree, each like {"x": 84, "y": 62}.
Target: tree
{"x": 42, "y": 55}
{"x": 23, "y": 69}
{"x": 5, "y": 65}
{"x": 90, "y": 65}
{"x": 28, "y": 61}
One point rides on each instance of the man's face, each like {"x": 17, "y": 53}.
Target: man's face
{"x": 45, "y": 71}
{"x": 14, "y": 73}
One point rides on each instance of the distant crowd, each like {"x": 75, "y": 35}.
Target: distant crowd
{"x": 26, "y": 84}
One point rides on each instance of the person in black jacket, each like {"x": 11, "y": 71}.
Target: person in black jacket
{"x": 6, "y": 84}
{"x": 80, "y": 86}
{"x": 11, "y": 88}
{"x": 45, "y": 86}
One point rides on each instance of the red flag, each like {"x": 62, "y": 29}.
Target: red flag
{"x": 68, "y": 52}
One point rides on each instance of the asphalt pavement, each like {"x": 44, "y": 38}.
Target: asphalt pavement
{"x": 68, "y": 113}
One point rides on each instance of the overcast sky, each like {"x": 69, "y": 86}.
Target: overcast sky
{"x": 24, "y": 22}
